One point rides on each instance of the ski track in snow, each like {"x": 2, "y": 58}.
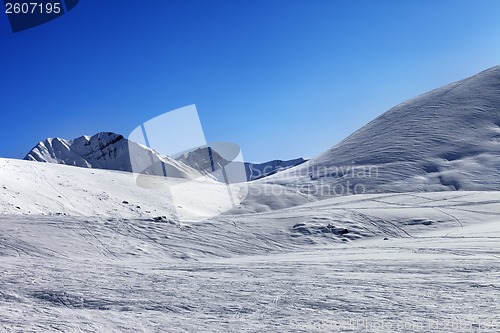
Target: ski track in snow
{"x": 256, "y": 273}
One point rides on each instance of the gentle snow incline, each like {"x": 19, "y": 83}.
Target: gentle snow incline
{"x": 293, "y": 270}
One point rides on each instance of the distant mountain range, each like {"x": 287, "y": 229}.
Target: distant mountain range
{"x": 203, "y": 159}
{"x": 111, "y": 151}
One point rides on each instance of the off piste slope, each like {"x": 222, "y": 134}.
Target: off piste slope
{"x": 446, "y": 139}
{"x": 55, "y": 189}
{"x": 108, "y": 151}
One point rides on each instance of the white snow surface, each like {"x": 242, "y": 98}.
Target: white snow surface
{"x": 76, "y": 258}
{"x": 43, "y": 188}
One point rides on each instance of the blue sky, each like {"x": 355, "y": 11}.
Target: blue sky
{"x": 281, "y": 78}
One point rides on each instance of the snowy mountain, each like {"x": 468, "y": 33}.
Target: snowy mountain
{"x": 261, "y": 170}
{"x": 110, "y": 151}
{"x": 446, "y": 139}
{"x": 203, "y": 159}
{"x": 107, "y": 151}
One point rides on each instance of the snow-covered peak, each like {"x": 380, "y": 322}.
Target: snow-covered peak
{"x": 205, "y": 160}
{"x": 261, "y": 170}
{"x": 105, "y": 150}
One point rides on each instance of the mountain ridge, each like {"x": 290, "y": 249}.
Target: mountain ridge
{"x": 111, "y": 151}
{"x": 208, "y": 160}
{"x": 108, "y": 151}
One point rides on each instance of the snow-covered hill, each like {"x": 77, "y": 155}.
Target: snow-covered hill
{"x": 108, "y": 151}
{"x": 446, "y": 139}
{"x": 54, "y": 189}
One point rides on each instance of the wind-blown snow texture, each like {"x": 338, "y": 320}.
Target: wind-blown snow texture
{"x": 320, "y": 267}
{"x": 446, "y": 139}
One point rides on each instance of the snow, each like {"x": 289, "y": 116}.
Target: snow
{"x": 90, "y": 250}
{"x": 28, "y": 187}
{"x": 254, "y": 273}
{"x": 107, "y": 151}
{"x": 199, "y": 159}
{"x": 317, "y": 266}
{"x": 261, "y": 170}
{"x": 111, "y": 151}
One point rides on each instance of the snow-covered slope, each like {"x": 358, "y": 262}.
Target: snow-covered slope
{"x": 54, "y": 189}
{"x": 414, "y": 262}
{"x": 446, "y": 139}
{"x": 107, "y": 151}
{"x": 49, "y": 189}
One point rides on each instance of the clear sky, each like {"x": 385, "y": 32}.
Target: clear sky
{"x": 281, "y": 78}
